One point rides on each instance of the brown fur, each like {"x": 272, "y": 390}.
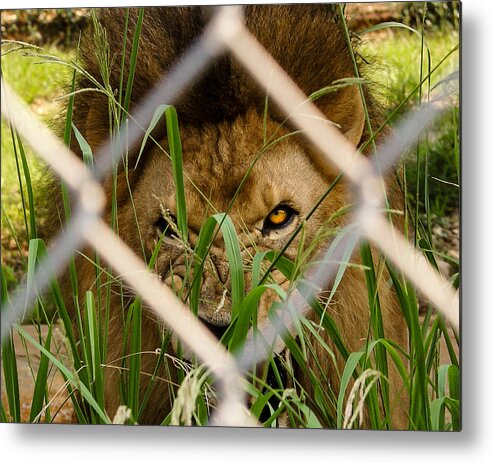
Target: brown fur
{"x": 221, "y": 126}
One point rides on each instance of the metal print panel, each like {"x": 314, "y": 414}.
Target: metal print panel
{"x": 232, "y": 216}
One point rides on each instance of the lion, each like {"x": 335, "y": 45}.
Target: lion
{"x": 225, "y": 118}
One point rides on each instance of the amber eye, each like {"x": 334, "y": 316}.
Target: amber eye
{"x": 279, "y": 217}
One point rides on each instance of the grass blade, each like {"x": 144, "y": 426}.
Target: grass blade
{"x": 87, "y": 156}
{"x": 11, "y": 379}
{"x": 19, "y": 179}
{"x": 247, "y": 315}
{"x": 200, "y": 254}
{"x": 235, "y": 261}
{"x": 9, "y": 363}
{"x": 177, "y": 165}
{"x": 450, "y": 374}
{"x": 176, "y": 155}
{"x": 376, "y": 324}
{"x": 92, "y": 330}
{"x": 86, "y": 393}
{"x": 347, "y": 374}
{"x": 282, "y": 263}
{"x": 133, "y": 61}
{"x": 135, "y": 316}
{"x": 30, "y": 195}
{"x": 233, "y": 254}
{"x": 40, "y": 386}
{"x": 158, "y": 114}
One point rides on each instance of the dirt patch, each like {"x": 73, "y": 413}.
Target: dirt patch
{"x": 446, "y": 237}
{"x": 364, "y": 15}
{"x": 59, "y": 27}
{"x": 28, "y": 358}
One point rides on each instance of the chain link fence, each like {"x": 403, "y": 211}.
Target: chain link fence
{"x": 226, "y": 31}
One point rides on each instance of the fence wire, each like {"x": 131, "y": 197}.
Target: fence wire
{"x": 226, "y": 31}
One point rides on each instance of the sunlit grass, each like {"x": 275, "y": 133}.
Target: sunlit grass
{"x": 396, "y": 64}
{"x": 432, "y": 170}
{"x": 38, "y": 84}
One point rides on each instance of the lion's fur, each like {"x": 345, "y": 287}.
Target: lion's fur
{"x": 221, "y": 126}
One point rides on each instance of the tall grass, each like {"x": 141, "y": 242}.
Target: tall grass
{"x": 276, "y": 397}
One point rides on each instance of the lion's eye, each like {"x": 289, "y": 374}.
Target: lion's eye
{"x": 279, "y": 217}
{"x": 164, "y": 226}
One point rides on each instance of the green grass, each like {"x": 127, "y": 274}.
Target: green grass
{"x": 433, "y": 387}
{"x": 38, "y": 84}
{"x": 398, "y": 59}
{"x": 30, "y": 77}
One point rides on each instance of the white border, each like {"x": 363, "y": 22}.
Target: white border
{"x": 474, "y": 443}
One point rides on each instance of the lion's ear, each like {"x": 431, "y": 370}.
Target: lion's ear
{"x": 345, "y": 108}
{"x": 353, "y": 131}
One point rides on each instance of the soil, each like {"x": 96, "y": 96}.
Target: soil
{"x": 446, "y": 232}
{"x": 58, "y": 27}
{"x": 28, "y": 358}
{"x": 61, "y": 26}
{"x": 364, "y": 15}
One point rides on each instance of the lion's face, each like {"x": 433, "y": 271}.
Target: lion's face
{"x": 278, "y": 193}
